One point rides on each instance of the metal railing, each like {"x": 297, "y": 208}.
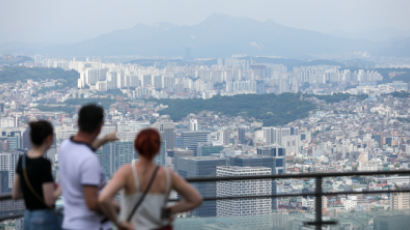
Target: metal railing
{"x": 4, "y": 197}
{"x": 12, "y": 215}
{"x": 318, "y": 193}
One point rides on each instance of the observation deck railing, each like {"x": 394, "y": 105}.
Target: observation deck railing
{"x": 318, "y": 193}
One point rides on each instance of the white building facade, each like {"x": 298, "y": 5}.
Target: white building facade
{"x": 243, "y": 207}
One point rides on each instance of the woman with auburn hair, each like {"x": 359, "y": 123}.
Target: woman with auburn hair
{"x": 145, "y": 189}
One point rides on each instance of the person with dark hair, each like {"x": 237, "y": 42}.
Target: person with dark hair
{"x": 34, "y": 180}
{"x": 81, "y": 176}
{"x": 145, "y": 189}
{"x": 90, "y": 118}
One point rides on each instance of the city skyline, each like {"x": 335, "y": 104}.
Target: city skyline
{"x": 304, "y": 92}
{"x": 236, "y": 116}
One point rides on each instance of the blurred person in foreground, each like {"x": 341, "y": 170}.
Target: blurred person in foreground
{"x": 145, "y": 189}
{"x": 81, "y": 175}
{"x": 34, "y": 180}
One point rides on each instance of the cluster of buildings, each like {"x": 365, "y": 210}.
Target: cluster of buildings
{"x": 354, "y": 134}
{"x": 224, "y": 76}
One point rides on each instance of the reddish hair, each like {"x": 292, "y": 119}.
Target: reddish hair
{"x": 147, "y": 143}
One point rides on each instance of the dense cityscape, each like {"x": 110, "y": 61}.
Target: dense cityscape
{"x": 335, "y": 116}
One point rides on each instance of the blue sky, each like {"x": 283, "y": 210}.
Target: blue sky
{"x": 75, "y": 20}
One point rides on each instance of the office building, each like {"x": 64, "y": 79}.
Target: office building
{"x": 204, "y": 166}
{"x": 257, "y": 161}
{"x": 168, "y": 135}
{"x": 279, "y": 157}
{"x": 193, "y": 125}
{"x": 243, "y": 207}
{"x": 225, "y": 136}
{"x": 26, "y": 139}
{"x": 191, "y": 139}
{"x": 4, "y": 182}
{"x": 161, "y": 158}
{"x": 271, "y": 135}
{"x": 241, "y": 135}
{"x": 208, "y": 150}
{"x": 282, "y": 136}
{"x": 13, "y": 139}
{"x": 176, "y": 153}
{"x": 114, "y": 155}
{"x": 8, "y": 162}
{"x": 128, "y": 130}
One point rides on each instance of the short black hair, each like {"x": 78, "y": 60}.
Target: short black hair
{"x": 90, "y": 117}
{"x": 39, "y": 131}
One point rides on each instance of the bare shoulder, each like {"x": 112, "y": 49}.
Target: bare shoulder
{"x": 124, "y": 170}
{"x": 175, "y": 177}
{"x": 169, "y": 171}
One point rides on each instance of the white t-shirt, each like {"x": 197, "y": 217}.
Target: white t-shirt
{"x": 79, "y": 166}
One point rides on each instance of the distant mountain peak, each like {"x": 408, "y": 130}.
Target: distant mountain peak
{"x": 218, "y": 35}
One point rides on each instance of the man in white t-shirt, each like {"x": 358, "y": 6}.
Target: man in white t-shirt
{"x": 81, "y": 176}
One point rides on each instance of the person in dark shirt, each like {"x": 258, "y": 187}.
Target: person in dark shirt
{"x": 34, "y": 181}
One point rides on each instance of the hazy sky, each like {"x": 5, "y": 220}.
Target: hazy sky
{"x": 75, "y": 20}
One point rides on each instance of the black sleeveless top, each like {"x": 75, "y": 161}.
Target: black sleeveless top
{"x": 38, "y": 172}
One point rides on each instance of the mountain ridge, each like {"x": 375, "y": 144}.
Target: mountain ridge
{"x": 220, "y": 36}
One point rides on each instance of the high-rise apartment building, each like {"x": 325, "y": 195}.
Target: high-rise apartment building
{"x": 147, "y": 80}
{"x": 158, "y": 82}
{"x": 243, "y": 207}
{"x": 169, "y": 83}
